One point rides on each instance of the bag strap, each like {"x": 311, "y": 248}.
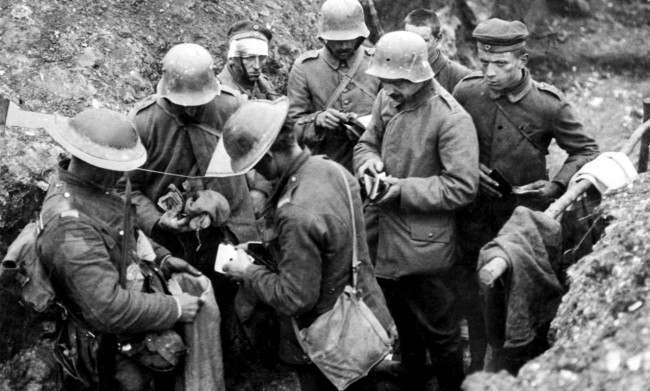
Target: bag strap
{"x": 347, "y": 78}
{"x": 355, "y": 253}
{"x": 518, "y": 127}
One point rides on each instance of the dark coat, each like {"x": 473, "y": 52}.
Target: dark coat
{"x": 186, "y": 149}
{"x": 313, "y": 79}
{"x": 313, "y": 245}
{"x": 430, "y": 143}
{"x": 82, "y": 255}
{"x": 537, "y": 110}
{"x": 447, "y": 72}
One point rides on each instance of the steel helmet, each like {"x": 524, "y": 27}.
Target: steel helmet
{"x": 102, "y": 138}
{"x": 342, "y": 20}
{"x": 401, "y": 55}
{"x": 248, "y": 135}
{"x": 188, "y": 77}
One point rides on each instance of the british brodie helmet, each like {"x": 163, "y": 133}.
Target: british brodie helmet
{"x": 102, "y": 138}
{"x": 401, "y": 55}
{"x": 342, "y": 20}
{"x": 249, "y": 134}
{"x": 188, "y": 77}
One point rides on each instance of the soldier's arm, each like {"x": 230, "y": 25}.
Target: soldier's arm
{"x": 302, "y": 115}
{"x": 84, "y": 269}
{"x": 369, "y": 145}
{"x": 296, "y": 287}
{"x": 571, "y": 137}
{"x": 457, "y": 184}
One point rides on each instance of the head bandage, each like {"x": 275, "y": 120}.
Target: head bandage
{"x": 248, "y": 44}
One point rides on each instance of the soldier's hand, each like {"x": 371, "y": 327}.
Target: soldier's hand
{"x": 539, "y": 189}
{"x": 393, "y": 192}
{"x": 371, "y": 167}
{"x": 170, "y": 222}
{"x": 259, "y": 200}
{"x": 330, "y": 119}
{"x": 488, "y": 185}
{"x": 190, "y": 306}
{"x": 171, "y": 265}
{"x": 238, "y": 267}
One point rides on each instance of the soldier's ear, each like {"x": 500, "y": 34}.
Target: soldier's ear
{"x": 524, "y": 59}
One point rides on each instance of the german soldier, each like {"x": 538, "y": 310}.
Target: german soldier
{"x": 329, "y": 87}
{"x": 516, "y": 118}
{"x": 426, "y": 24}
{"x": 425, "y": 143}
{"x": 88, "y": 247}
{"x": 247, "y": 54}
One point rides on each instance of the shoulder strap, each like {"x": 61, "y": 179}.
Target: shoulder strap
{"x": 347, "y": 78}
{"x": 355, "y": 253}
{"x": 520, "y": 128}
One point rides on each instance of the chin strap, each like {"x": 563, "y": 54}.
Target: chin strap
{"x": 127, "y": 235}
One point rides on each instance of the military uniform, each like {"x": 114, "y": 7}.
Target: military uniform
{"x": 313, "y": 249}
{"x": 429, "y": 142}
{"x": 182, "y": 148}
{"x": 81, "y": 250}
{"x": 515, "y": 128}
{"x": 312, "y": 81}
{"x": 447, "y": 72}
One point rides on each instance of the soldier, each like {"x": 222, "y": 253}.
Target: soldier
{"x": 310, "y": 211}
{"x": 426, "y": 143}
{"x": 329, "y": 86}
{"x": 87, "y": 234}
{"x": 180, "y": 127}
{"x": 425, "y": 23}
{"x": 516, "y": 118}
{"x": 247, "y": 55}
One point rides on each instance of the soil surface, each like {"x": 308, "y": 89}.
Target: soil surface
{"x": 66, "y": 55}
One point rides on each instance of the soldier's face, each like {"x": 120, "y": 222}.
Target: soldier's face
{"x": 502, "y": 70}
{"x": 426, "y": 33}
{"x": 343, "y": 50}
{"x": 250, "y": 66}
{"x": 400, "y": 90}
{"x": 268, "y": 167}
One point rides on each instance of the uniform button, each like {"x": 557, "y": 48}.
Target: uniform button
{"x": 58, "y": 185}
{"x": 66, "y": 194}
{"x": 121, "y": 233}
{"x": 331, "y": 290}
{"x": 346, "y": 102}
{"x": 107, "y": 192}
{"x": 293, "y": 179}
{"x": 430, "y": 235}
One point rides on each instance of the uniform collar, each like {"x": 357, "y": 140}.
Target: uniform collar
{"x": 287, "y": 180}
{"x": 334, "y": 62}
{"x": 423, "y": 95}
{"x": 75, "y": 180}
{"x": 229, "y": 77}
{"x": 438, "y": 61}
{"x": 516, "y": 93}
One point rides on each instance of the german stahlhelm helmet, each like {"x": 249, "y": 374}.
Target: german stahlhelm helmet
{"x": 102, "y": 138}
{"x": 342, "y": 20}
{"x": 188, "y": 77}
{"x": 401, "y": 55}
{"x": 248, "y": 135}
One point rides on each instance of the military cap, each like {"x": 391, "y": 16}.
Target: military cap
{"x": 498, "y": 35}
{"x": 249, "y": 28}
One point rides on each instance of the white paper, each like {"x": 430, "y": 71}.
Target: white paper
{"x": 225, "y": 254}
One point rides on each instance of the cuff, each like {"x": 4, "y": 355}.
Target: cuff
{"x": 179, "y": 310}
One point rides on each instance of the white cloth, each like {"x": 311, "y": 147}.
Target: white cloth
{"x": 608, "y": 172}
{"x": 249, "y": 46}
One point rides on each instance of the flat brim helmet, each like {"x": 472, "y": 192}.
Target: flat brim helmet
{"x": 342, "y": 20}
{"x": 100, "y": 137}
{"x": 188, "y": 77}
{"x": 248, "y": 136}
{"x": 401, "y": 55}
